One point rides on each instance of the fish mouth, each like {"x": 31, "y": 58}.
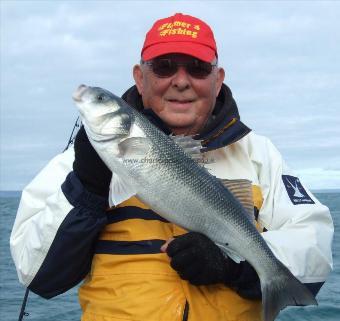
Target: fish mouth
{"x": 77, "y": 95}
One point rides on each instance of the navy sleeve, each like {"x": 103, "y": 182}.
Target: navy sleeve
{"x": 69, "y": 258}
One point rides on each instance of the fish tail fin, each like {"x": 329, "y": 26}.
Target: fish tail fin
{"x": 283, "y": 290}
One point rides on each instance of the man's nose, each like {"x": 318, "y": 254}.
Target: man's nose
{"x": 181, "y": 79}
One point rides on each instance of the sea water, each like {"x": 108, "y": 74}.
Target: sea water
{"x": 65, "y": 307}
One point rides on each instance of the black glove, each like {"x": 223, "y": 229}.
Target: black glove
{"x": 90, "y": 169}
{"x": 200, "y": 261}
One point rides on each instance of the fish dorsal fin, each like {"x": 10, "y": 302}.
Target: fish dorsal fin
{"x": 191, "y": 146}
{"x": 242, "y": 190}
{"x": 134, "y": 147}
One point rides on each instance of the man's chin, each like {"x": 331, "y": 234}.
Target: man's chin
{"x": 182, "y": 128}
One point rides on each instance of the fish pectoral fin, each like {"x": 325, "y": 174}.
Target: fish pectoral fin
{"x": 120, "y": 190}
{"x": 134, "y": 147}
{"x": 229, "y": 252}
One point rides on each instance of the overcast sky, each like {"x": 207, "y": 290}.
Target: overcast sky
{"x": 281, "y": 60}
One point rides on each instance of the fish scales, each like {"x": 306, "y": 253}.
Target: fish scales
{"x": 193, "y": 180}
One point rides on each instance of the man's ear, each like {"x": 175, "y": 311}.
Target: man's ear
{"x": 138, "y": 77}
{"x": 219, "y": 80}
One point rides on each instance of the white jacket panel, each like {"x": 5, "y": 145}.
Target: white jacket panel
{"x": 299, "y": 235}
{"x": 42, "y": 209}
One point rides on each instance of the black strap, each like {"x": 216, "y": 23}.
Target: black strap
{"x": 129, "y": 247}
{"x": 133, "y": 212}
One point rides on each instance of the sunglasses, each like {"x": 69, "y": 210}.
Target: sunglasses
{"x": 163, "y": 67}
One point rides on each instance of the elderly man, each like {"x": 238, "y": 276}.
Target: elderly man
{"x": 65, "y": 232}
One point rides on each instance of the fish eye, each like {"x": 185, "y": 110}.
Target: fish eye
{"x": 100, "y": 97}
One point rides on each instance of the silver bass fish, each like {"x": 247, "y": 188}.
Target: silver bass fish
{"x": 149, "y": 164}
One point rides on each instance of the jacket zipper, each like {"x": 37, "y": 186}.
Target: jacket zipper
{"x": 186, "y": 311}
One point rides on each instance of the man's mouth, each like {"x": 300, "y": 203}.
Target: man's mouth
{"x": 180, "y": 101}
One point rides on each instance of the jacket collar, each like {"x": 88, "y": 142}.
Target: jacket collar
{"x": 223, "y": 128}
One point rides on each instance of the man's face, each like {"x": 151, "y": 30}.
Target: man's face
{"x": 182, "y": 101}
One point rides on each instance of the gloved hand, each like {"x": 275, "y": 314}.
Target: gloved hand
{"x": 90, "y": 169}
{"x": 200, "y": 261}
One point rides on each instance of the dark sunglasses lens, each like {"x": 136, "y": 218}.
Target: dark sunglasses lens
{"x": 167, "y": 68}
{"x": 199, "y": 69}
{"x": 164, "y": 67}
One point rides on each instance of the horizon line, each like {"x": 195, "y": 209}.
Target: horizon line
{"x": 314, "y": 190}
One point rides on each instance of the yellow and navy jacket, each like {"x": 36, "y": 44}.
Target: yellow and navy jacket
{"x": 63, "y": 234}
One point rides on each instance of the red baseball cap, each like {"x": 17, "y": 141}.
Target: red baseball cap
{"x": 180, "y": 34}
